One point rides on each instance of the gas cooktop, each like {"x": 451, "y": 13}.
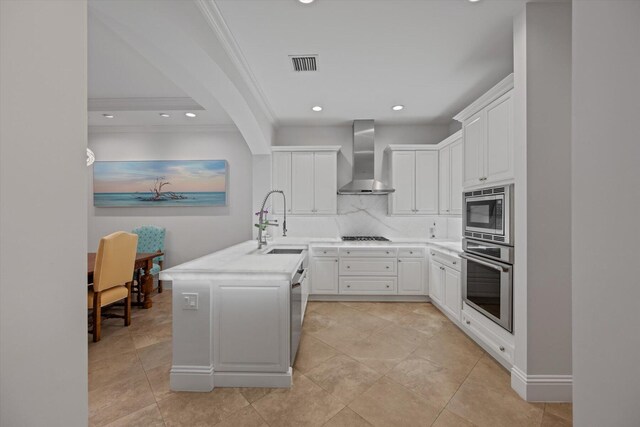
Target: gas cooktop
{"x": 364, "y": 239}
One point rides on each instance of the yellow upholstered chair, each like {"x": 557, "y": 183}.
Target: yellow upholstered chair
{"x": 112, "y": 276}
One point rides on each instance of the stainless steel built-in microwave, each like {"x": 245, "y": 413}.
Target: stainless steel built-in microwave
{"x": 487, "y": 214}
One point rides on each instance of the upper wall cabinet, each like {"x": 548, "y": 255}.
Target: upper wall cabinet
{"x": 308, "y": 177}
{"x": 414, "y": 176}
{"x": 451, "y": 175}
{"x": 487, "y": 133}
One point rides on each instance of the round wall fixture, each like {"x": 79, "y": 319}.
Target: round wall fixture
{"x": 305, "y": 1}
{"x": 316, "y": 108}
{"x": 190, "y": 114}
{"x": 397, "y": 107}
{"x": 164, "y": 115}
{"x": 90, "y": 157}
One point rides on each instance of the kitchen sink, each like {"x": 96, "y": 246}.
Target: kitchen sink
{"x": 285, "y": 252}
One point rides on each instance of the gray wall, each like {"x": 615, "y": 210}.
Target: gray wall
{"x": 191, "y": 231}
{"x": 542, "y": 284}
{"x": 606, "y": 204}
{"x": 43, "y": 219}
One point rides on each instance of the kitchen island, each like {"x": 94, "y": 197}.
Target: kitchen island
{"x": 232, "y": 318}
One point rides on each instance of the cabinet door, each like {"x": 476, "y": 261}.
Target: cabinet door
{"x": 325, "y": 183}
{"x": 304, "y": 285}
{"x": 410, "y": 277}
{"x": 436, "y": 281}
{"x": 473, "y": 131}
{"x": 452, "y": 299}
{"x": 403, "y": 179}
{"x": 499, "y": 145}
{"x": 302, "y": 182}
{"x": 324, "y": 275}
{"x": 246, "y": 321}
{"x": 455, "y": 182}
{"x": 445, "y": 180}
{"x": 281, "y": 162}
{"x": 426, "y": 182}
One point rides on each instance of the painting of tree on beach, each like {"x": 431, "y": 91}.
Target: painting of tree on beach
{"x": 160, "y": 183}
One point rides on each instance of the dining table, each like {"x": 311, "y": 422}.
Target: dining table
{"x": 144, "y": 262}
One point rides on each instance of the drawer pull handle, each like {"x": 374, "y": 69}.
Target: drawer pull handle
{"x": 411, "y": 252}
{"x": 348, "y": 252}
{"x": 387, "y": 252}
{"x": 387, "y": 267}
{"x": 348, "y": 266}
{"x": 501, "y": 348}
{"x": 325, "y": 252}
{"x": 388, "y": 286}
{"x": 468, "y": 322}
{"x": 348, "y": 286}
{"x": 454, "y": 262}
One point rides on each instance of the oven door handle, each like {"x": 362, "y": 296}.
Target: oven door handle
{"x": 486, "y": 264}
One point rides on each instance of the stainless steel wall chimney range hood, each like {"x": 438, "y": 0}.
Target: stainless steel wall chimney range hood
{"x": 363, "y": 181}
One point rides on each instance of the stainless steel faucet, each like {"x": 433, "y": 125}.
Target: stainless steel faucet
{"x": 262, "y": 223}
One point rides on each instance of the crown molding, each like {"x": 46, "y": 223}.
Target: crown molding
{"x": 142, "y": 104}
{"x": 214, "y": 18}
{"x": 288, "y": 148}
{"x": 162, "y": 128}
{"x": 504, "y": 86}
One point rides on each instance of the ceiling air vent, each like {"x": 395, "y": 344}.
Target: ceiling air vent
{"x": 304, "y": 62}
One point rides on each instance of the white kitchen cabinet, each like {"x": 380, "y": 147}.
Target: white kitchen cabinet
{"x": 325, "y": 183}
{"x": 305, "y": 290}
{"x": 410, "y": 276}
{"x": 308, "y": 176}
{"x": 436, "y": 281}
{"x": 452, "y": 298}
{"x": 450, "y": 177}
{"x": 445, "y": 284}
{"x": 324, "y": 275}
{"x": 245, "y": 316}
{"x": 281, "y": 162}
{"x": 487, "y": 129}
{"x": 403, "y": 180}
{"x": 368, "y": 285}
{"x": 302, "y": 182}
{"x": 426, "y": 182}
{"x": 414, "y": 176}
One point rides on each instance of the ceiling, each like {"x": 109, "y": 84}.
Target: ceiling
{"x": 119, "y": 75}
{"x": 432, "y": 56}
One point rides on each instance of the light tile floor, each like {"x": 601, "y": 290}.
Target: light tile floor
{"x": 359, "y": 364}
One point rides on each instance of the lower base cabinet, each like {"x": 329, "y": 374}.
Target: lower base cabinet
{"x": 445, "y": 284}
{"x": 410, "y": 276}
{"x": 324, "y": 275}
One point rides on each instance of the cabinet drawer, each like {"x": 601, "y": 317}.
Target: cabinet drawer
{"x": 325, "y": 251}
{"x": 411, "y": 252}
{"x": 368, "y": 285}
{"x": 368, "y": 266}
{"x": 447, "y": 260}
{"x": 485, "y": 334}
{"x": 368, "y": 252}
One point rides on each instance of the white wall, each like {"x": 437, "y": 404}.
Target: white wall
{"x": 43, "y": 220}
{"x": 191, "y": 231}
{"x": 542, "y": 285}
{"x": 606, "y": 204}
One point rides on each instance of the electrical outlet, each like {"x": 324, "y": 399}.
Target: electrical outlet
{"x": 189, "y": 301}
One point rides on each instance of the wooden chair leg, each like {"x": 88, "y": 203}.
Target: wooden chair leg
{"x": 160, "y": 281}
{"x": 97, "y": 313}
{"x": 127, "y": 306}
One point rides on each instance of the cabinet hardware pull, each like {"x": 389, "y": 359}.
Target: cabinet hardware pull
{"x": 501, "y": 348}
{"x": 348, "y": 286}
{"x": 348, "y": 266}
{"x": 387, "y": 267}
{"x": 387, "y": 252}
{"x": 454, "y": 262}
{"x": 411, "y": 252}
{"x": 387, "y": 286}
{"x": 348, "y": 252}
{"x": 468, "y": 322}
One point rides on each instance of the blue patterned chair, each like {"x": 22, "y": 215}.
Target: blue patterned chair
{"x": 151, "y": 239}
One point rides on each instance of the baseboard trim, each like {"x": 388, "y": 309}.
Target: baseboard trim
{"x": 191, "y": 378}
{"x": 204, "y": 379}
{"x": 373, "y": 298}
{"x": 253, "y": 379}
{"x": 542, "y": 388}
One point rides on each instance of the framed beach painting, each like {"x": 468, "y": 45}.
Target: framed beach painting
{"x": 160, "y": 183}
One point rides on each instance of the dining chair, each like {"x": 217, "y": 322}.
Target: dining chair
{"x": 115, "y": 260}
{"x": 151, "y": 239}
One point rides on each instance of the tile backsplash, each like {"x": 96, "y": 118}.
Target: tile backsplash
{"x": 367, "y": 215}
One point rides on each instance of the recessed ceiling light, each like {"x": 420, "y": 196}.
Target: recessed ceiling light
{"x": 397, "y": 107}
{"x": 305, "y": 1}
{"x": 108, "y": 116}
{"x": 164, "y": 115}
{"x": 190, "y": 114}
{"x": 474, "y": 1}
{"x": 317, "y": 108}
